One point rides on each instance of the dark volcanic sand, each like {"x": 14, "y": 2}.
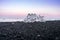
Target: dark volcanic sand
{"x": 49, "y": 30}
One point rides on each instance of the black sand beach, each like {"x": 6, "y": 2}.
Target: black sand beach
{"x": 49, "y": 30}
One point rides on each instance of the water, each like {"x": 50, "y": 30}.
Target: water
{"x": 10, "y": 20}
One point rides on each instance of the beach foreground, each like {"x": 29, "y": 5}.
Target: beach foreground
{"x": 49, "y": 30}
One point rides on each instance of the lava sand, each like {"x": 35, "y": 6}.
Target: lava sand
{"x": 49, "y": 30}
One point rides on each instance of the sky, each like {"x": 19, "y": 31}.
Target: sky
{"x": 20, "y": 8}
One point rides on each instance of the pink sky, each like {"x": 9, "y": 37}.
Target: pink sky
{"x": 49, "y": 9}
